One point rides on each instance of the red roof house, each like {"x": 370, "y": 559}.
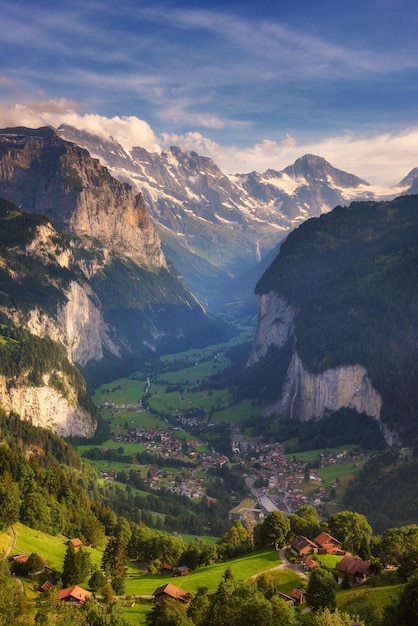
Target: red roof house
{"x": 356, "y": 569}
{"x": 302, "y": 545}
{"x": 327, "y": 544}
{"x": 74, "y": 595}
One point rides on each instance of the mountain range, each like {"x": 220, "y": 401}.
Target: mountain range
{"x": 86, "y": 263}
{"x": 216, "y": 227}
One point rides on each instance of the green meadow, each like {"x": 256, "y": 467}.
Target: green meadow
{"x": 242, "y": 568}
{"x": 363, "y": 595}
{"x": 51, "y": 549}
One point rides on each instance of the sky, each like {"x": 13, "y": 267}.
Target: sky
{"x": 252, "y": 84}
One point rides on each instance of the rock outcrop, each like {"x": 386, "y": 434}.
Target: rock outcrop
{"x": 43, "y": 174}
{"x": 275, "y": 325}
{"x": 46, "y": 407}
{"x": 306, "y": 395}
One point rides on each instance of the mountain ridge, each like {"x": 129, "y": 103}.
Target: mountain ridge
{"x": 101, "y": 287}
{"x": 215, "y": 227}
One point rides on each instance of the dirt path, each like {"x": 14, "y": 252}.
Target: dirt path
{"x": 12, "y": 542}
{"x": 9, "y": 549}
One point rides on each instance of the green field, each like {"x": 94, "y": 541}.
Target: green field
{"x": 312, "y": 455}
{"x": 357, "y": 597}
{"x": 51, "y": 549}
{"x": 139, "y": 583}
{"x": 329, "y": 560}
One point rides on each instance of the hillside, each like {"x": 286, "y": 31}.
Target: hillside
{"x": 343, "y": 287}
{"x": 116, "y": 299}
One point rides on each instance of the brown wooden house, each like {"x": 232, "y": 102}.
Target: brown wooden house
{"x": 302, "y": 545}
{"x": 356, "y": 569}
{"x": 327, "y": 544}
{"x": 170, "y": 591}
{"x": 74, "y": 595}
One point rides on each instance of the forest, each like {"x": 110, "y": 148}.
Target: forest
{"x": 344, "y": 271}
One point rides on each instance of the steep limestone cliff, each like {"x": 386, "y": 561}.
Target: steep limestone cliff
{"x": 46, "y": 407}
{"x": 275, "y": 325}
{"x": 43, "y": 174}
{"x": 76, "y": 318}
{"x": 78, "y": 324}
{"x": 306, "y": 395}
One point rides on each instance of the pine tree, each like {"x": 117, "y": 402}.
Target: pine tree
{"x": 114, "y": 563}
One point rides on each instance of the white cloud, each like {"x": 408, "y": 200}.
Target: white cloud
{"x": 129, "y": 131}
{"x": 380, "y": 158}
{"x": 383, "y": 158}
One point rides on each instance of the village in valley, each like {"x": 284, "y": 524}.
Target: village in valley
{"x": 277, "y": 480}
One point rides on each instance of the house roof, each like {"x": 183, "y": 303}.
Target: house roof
{"x": 301, "y": 542}
{"x": 243, "y": 507}
{"x": 351, "y": 565}
{"x": 324, "y": 538}
{"x": 76, "y": 593}
{"x": 297, "y": 594}
{"x": 46, "y": 586}
{"x": 310, "y": 563}
{"x": 171, "y": 590}
{"x": 76, "y": 542}
{"x": 21, "y": 558}
{"x": 183, "y": 568}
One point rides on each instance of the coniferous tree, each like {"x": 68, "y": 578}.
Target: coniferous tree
{"x": 114, "y": 563}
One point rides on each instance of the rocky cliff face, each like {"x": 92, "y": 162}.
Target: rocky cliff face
{"x": 43, "y": 174}
{"x": 46, "y": 407}
{"x": 306, "y": 395}
{"x": 76, "y": 320}
{"x": 275, "y": 325}
{"x": 102, "y": 289}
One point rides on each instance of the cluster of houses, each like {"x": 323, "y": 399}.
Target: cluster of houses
{"x": 349, "y": 568}
{"x": 74, "y": 595}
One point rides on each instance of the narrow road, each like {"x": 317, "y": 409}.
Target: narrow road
{"x": 9, "y": 549}
{"x": 285, "y": 564}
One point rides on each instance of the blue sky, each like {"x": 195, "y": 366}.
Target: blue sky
{"x": 251, "y": 84}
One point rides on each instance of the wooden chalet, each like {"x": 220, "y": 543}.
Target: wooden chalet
{"x": 309, "y": 563}
{"x": 170, "y": 591}
{"x": 165, "y": 569}
{"x": 183, "y": 570}
{"x": 20, "y": 558}
{"x": 46, "y": 586}
{"x": 298, "y": 595}
{"x": 74, "y": 595}
{"x": 287, "y": 598}
{"x": 356, "y": 569}
{"x": 302, "y": 545}
{"x": 76, "y": 543}
{"x": 327, "y": 544}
